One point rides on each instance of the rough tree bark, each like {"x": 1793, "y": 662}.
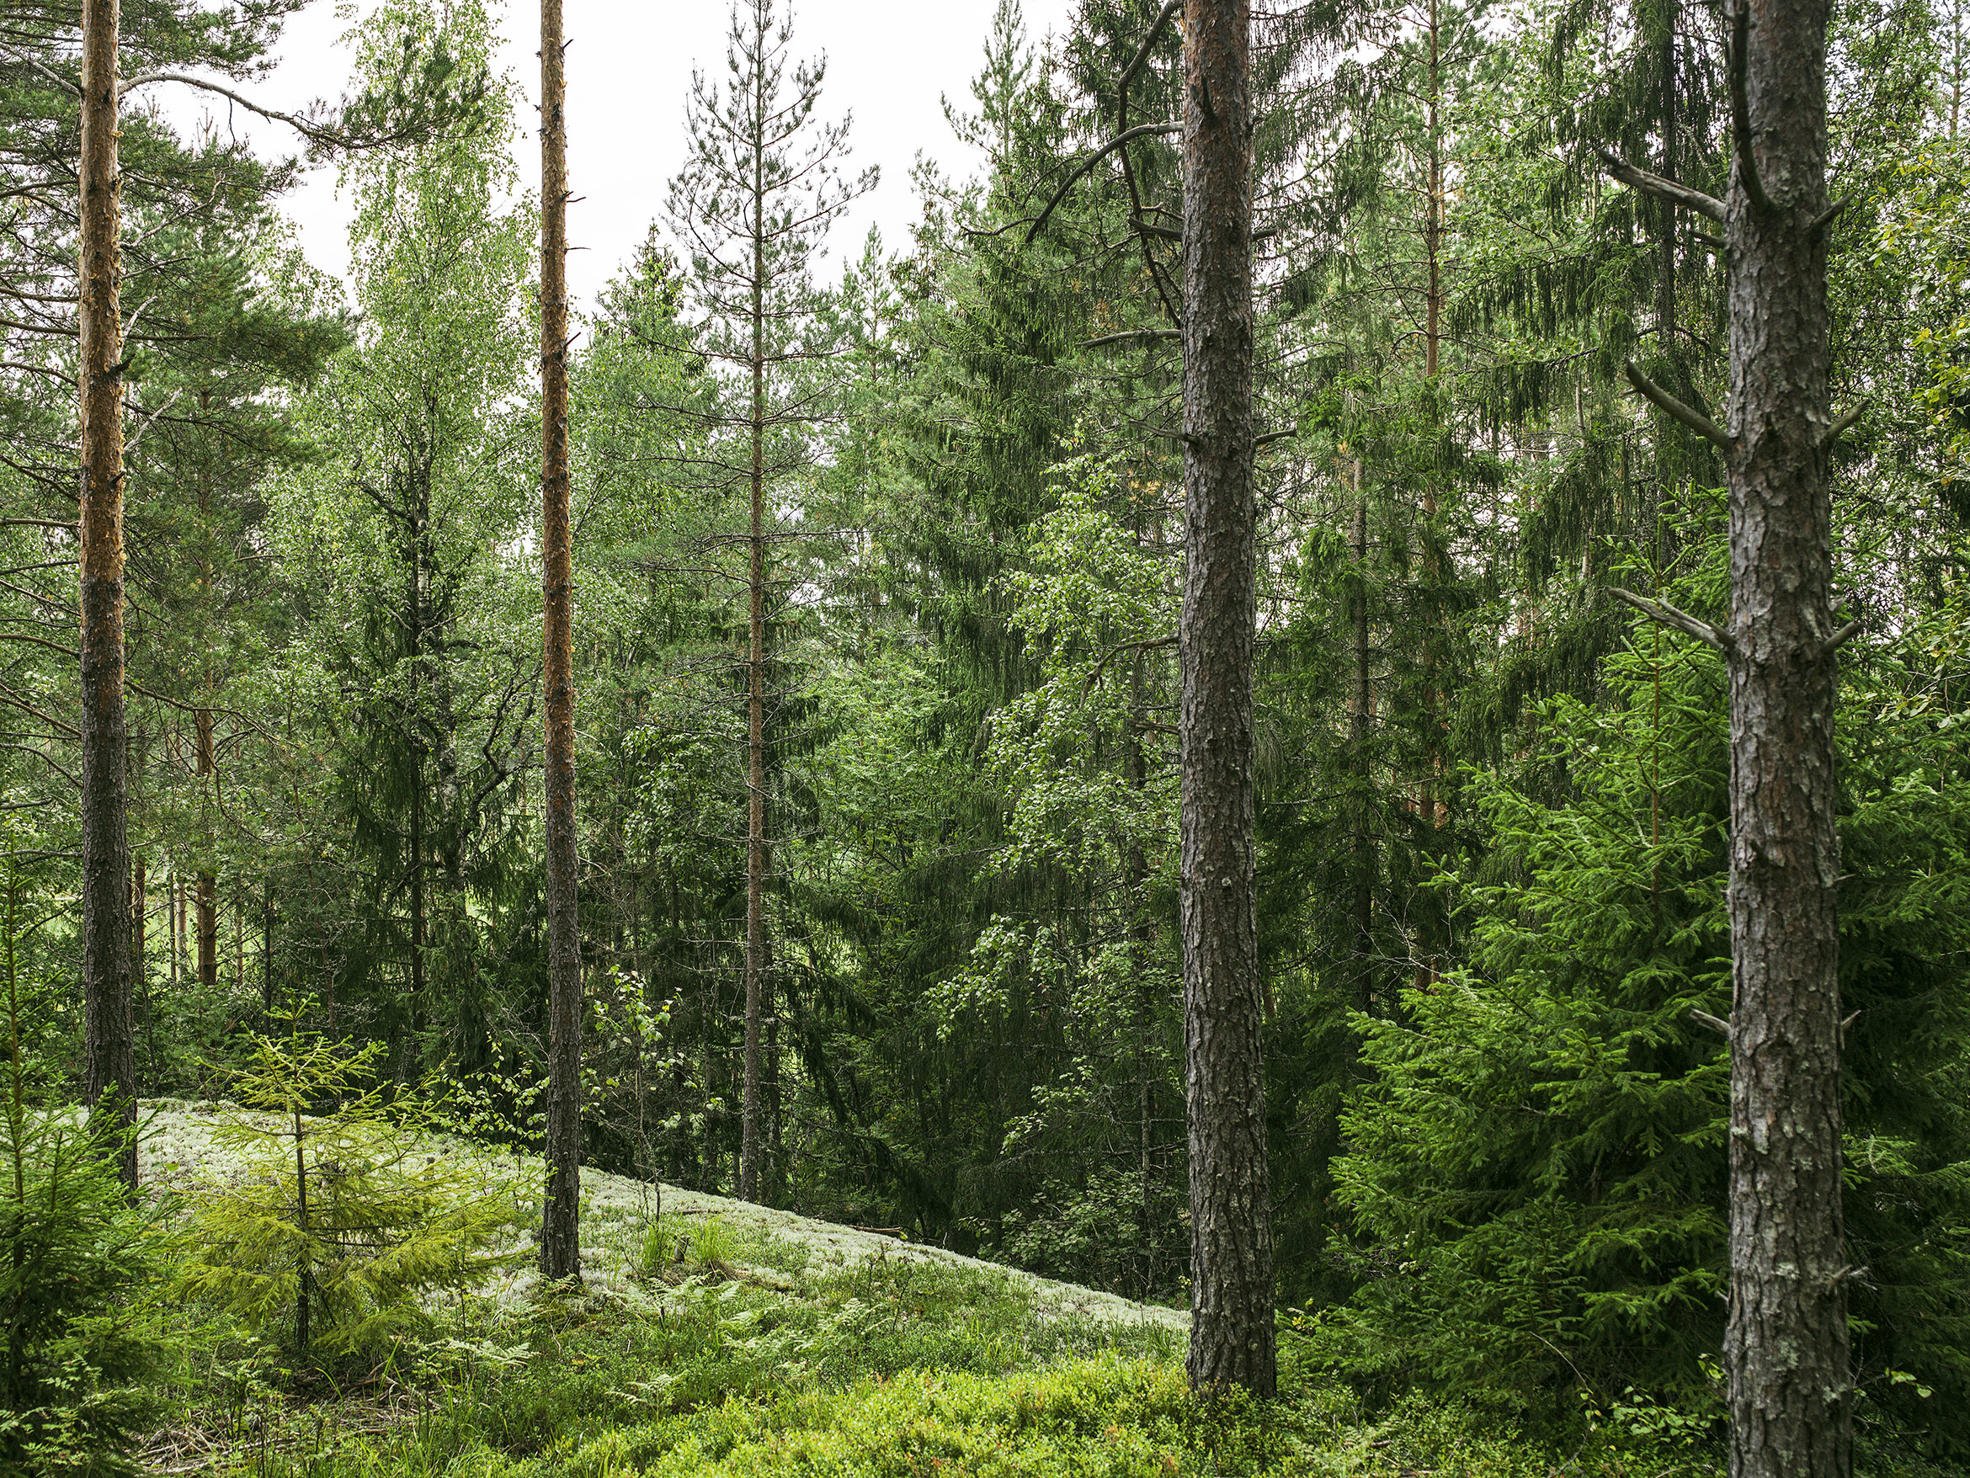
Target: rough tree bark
{"x": 1786, "y": 1340}
{"x": 110, "y": 1073}
{"x": 560, "y": 1240}
{"x": 1665, "y": 259}
{"x": 1231, "y": 1335}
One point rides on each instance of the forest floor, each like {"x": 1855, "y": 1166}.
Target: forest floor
{"x": 717, "y": 1337}
{"x": 617, "y": 1212}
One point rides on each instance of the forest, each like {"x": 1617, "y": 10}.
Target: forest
{"x": 1279, "y": 797}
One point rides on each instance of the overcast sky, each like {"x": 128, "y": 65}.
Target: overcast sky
{"x": 629, "y": 65}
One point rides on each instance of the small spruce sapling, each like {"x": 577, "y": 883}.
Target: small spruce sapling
{"x": 341, "y": 1213}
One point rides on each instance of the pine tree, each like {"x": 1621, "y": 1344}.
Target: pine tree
{"x": 560, "y": 1238}
{"x": 1786, "y": 1345}
{"x": 753, "y": 205}
{"x": 1232, "y": 1338}
{"x": 106, "y": 957}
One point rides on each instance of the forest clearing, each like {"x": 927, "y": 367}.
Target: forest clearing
{"x": 1095, "y": 737}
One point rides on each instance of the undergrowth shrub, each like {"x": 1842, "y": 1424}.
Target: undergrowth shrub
{"x": 80, "y": 1264}
{"x": 80, "y": 1267}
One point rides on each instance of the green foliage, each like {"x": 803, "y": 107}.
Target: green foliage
{"x": 1536, "y": 1165}
{"x": 906, "y": 1368}
{"x": 675, "y": 1245}
{"x": 82, "y": 1269}
{"x": 82, "y": 1273}
{"x": 341, "y": 1217}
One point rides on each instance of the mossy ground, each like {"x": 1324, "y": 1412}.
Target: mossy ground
{"x": 720, "y": 1339}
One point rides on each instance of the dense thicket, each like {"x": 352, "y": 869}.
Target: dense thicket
{"x": 879, "y": 561}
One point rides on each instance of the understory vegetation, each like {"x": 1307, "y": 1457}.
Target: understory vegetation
{"x": 712, "y": 1342}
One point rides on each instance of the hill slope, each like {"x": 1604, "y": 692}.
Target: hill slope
{"x": 617, "y": 1210}
{"x": 729, "y": 1340}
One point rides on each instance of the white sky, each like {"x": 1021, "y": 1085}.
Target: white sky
{"x": 629, "y": 67}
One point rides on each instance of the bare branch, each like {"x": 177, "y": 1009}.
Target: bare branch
{"x": 1676, "y": 410}
{"x": 1141, "y": 57}
{"x": 1670, "y": 616}
{"x": 1642, "y": 179}
{"x": 1831, "y": 214}
{"x": 1739, "y": 61}
{"x": 1132, "y": 336}
{"x": 1121, "y": 141}
{"x": 1845, "y": 422}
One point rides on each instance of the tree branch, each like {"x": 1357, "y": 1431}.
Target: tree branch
{"x": 1845, "y": 422}
{"x": 309, "y": 129}
{"x": 1132, "y": 335}
{"x": 1738, "y": 63}
{"x": 1642, "y": 179}
{"x": 1668, "y": 615}
{"x": 1676, "y": 410}
{"x": 1831, "y": 214}
{"x": 1121, "y": 141}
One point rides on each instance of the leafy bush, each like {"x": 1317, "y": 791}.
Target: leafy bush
{"x": 344, "y": 1213}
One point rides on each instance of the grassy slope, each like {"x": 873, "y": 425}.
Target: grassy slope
{"x": 781, "y": 1345}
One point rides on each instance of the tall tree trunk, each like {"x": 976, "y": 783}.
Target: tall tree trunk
{"x": 110, "y": 1075}
{"x": 409, "y": 1051}
{"x": 1786, "y": 1341}
{"x": 206, "y": 892}
{"x": 1360, "y": 702}
{"x": 1141, "y": 946}
{"x": 267, "y": 957}
{"x": 560, "y": 1239}
{"x": 1431, "y": 807}
{"x": 139, "y": 969}
{"x": 139, "y": 889}
{"x": 1665, "y": 264}
{"x": 1231, "y": 1332}
{"x": 756, "y": 851}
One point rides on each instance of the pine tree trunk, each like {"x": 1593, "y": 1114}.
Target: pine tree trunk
{"x": 756, "y": 853}
{"x": 1431, "y": 808}
{"x": 1231, "y": 1335}
{"x": 175, "y": 906}
{"x": 1786, "y": 1340}
{"x": 139, "y": 969}
{"x": 110, "y": 1071}
{"x": 139, "y": 903}
{"x": 560, "y": 1235}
